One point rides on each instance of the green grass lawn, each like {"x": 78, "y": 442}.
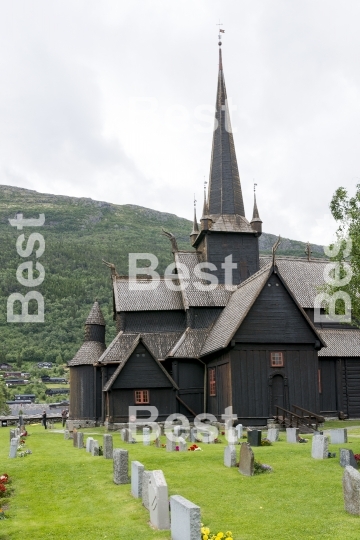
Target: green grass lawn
{"x": 65, "y": 493}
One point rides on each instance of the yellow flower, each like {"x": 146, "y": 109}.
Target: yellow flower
{"x": 205, "y": 530}
{"x": 205, "y": 537}
{"x": 229, "y": 534}
{"x": 220, "y": 535}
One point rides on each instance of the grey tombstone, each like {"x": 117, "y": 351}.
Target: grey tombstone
{"x": 177, "y": 431}
{"x": 193, "y": 435}
{"x": 338, "y": 436}
{"x": 123, "y": 435}
{"x": 88, "y": 444}
{"x": 137, "y": 471}
{"x": 75, "y": 433}
{"x": 182, "y": 444}
{"x": 95, "y": 448}
{"x": 157, "y": 442}
{"x": 146, "y": 436}
{"x": 21, "y": 420}
{"x": 230, "y": 456}
{"x": 231, "y": 435}
{"x": 80, "y": 439}
{"x": 347, "y": 458}
{"x": 246, "y": 464}
{"x": 145, "y": 489}
{"x": 17, "y": 432}
{"x": 108, "y": 446}
{"x": 14, "y": 443}
{"x": 12, "y": 434}
{"x": 185, "y": 519}
{"x": 273, "y": 435}
{"x": 170, "y": 445}
{"x": 239, "y": 431}
{"x": 159, "y": 501}
{"x": 292, "y": 434}
{"x": 121, "y": 466}
{"x": 320, "y": 446}
{"x": 254, "y": 437}
{"x": 66, "y": 434}
{"x": 351, "y": 490}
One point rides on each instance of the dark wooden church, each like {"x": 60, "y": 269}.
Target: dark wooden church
{"x": 192, "y": 348}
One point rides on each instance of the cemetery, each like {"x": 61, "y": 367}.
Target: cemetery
{"x": 72, "y": 476}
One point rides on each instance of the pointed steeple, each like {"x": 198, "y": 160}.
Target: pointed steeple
{"x": 95, "y": 315}
{"x": 256, "y": 222}
{"x": 225, "y": 195}
{"x": 195, "y": 230}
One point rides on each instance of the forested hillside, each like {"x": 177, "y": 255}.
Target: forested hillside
{"x": 79, "y": 233}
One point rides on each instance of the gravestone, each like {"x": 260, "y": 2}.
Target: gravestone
{"x": 66, "y": 434}
{"x": 159, "y": 501}
{"x": 185, "y": 519}
{"x": 292, "y": 434}
{"x": 21, "y": 420}
{"x": 273, "y": 435}
{"x": 254, "y": 437}
{"x": 121, "y": 466}
{"x": 193, "y": 435}
{"x": 246, "y": 464}
{"x": 12, "y": 434}
{"x": 347, "y": 458}
{"x": 230, "y": 456}
{"x": 338, "y": 436}
{"x": 108, "y": 446}
{"x": 95, "y": 448}
{"x": 231, "y": 436}
{"x": 75, "y": 438}
{"x": 123, "y": 435}
{"x": 88, "y": 444}
{"x": 177, "y": 431}
{"x": 145, "y": 489}
{"x": 239, "y": 431}
{"x": 14, "y": 443}
{"x": 182, "y": 444}
{"x": 157, "y": 442}
{"x": 170, "y": 445}
{"x": 137, "y": 471}
{"x": 80, "y": 439}
{"x": 146, "y": 436}
{"x": 320, "y": 447}
{"x": 351, "y": 490}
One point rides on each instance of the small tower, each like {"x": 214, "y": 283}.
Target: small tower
{"x": 256, "y": 222}
{"x": 95, "y": 325}
{"x": 195, "y": 230}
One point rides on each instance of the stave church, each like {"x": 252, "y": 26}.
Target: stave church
{"x": 189, "y": 346}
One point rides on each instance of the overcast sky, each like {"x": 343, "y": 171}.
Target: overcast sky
{"x": 114, "y": 100}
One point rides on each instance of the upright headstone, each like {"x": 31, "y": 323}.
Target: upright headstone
{"x": 182, "y": 444}
{"x": 347, "y": 458}
{"x": 239, "y": 431}
{"x": 292, "y": 434}
{"x": 146, "y": 436}
{"x": 338, "y": 436}
{"x": 157, "y": 442}
{"x": 273, "y": 435}
{"x": 121, "y": 466}
{"x": 123, "y": 435}
{"x": 12, "y": 434}
{"x": 351, "y": 489}
{"x": 80, "y": 439}
{"x": 177, "y": 431}
{"x": 145, "y": 489}
{"x": 75, "y": 432}
{"x": 185, "y": 519}
{"x": 95, "y": 448}
{"x": 246, "y": 464}
{"x": 21, "y": 420}
{"x": 137, "y": 471}
{"x": 159, "y": 501}
{"x": 193, "y": 435}
{"x": 14, "y": 443}
{"x": 230, "y": 456}
{"x": 89, "y": 443}
{"x": 254, "y": 437}
{"x": 170, "y": 444}
{"x": 108, "y": 446}
{"x": 66, "y": 434}
{"x": 231, "y": 436}
{"x": 320, "y": 446}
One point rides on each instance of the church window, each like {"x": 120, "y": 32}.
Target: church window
{"x": 212, "y": 381}
{"x": 277, "y": 359}
{"x": 142, "y": 396}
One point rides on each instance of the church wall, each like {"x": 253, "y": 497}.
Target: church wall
{"x": 141, "y": 372}
{"x": 217, "y": 404}
{"x": 351, "y": 386}
{"x": 82, "y": 396}
{"x": 164, "y": 399}
{"x": 189, "y": 376}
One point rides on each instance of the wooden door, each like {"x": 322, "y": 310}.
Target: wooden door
{"x": 277, "y": 394}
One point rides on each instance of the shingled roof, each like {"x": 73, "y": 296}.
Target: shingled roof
{"x": 190, "y": 343}
{"x": 131, "y": 295}
{"x": 89, "y": 353}
{"x": 95, "y": 315}
{"x": 341, "y": 343}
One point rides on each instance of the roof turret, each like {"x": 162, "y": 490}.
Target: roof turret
{"x": 95, "y": 315}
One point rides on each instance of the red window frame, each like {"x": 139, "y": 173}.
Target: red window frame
{"x": 212, "y": 382}
{"x": 142, "y": 396}
{"x": 277, "y": 359}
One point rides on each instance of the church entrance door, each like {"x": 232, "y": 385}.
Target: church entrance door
{"x": 277, "y": 393}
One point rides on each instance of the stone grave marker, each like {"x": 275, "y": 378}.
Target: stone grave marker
{"x": 95, "y": 448}
{"x": 145, "y": 489}
{"x": 75, "y": 437}
{"x": 351, "y": 490}
{"x": 347, "y": 458}
{"x": 320, "y": 446}
{"x": 273, "y": 435}
{"x": 157, "y": 442}
{"x": 185, "y": 519}
{"x": 292, "y": 434}
{"x": 230, "y": 456}
{"x": 177, "y": 431}
{"x": 146, "y": 436}
{"x": 66, "y": 434}
{"x": 123, "y": 435}
{"x": 14, "y": 443}
{"x": 246, "y": 464}
{"x": 121, "y": 466}
{"x": 12, "y": 434}
{"x": 108, "y": 446}
{"x": 80, "y": 439}
{"x": 254, "y": 437}
{"x": 231, "y": 436}
{"x": 88, "y": 444}
{"x": 338, "y": 436}
{"x": 170, "y": 445}
{"x": 137, "y": 471}
{"x": 159, "y": 501}
{"x": 193, "y": 435}
{"x": 239, "y": 431}
{"x": 182, "y": 444}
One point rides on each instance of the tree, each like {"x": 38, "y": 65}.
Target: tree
{"x": 345, "y": 253}
{"x": 4, "y": 408}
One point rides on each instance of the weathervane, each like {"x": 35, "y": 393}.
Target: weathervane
{"x": 195, "y": 201}
{"x": 221, "y": 31}
{"x": 308, "y": 251}
{"x": 255, "y": 187}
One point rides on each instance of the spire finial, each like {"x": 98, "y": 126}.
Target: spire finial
{"x": 195, "y": 231}
{"x": 308, "y": 251}
{"x": 255, "y": 187}
{"x": 205, "y": 209}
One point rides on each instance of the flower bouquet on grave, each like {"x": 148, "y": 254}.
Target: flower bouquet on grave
{"x": 266, "y": 442}
{"x": 5, "y": 486}
{"x": 261, "y": 467}
{"x": 193, "y": 448}
{"x": 206, "y": 534}
{"x": 357, "y": 457}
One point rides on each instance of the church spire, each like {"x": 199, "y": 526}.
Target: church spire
{"x": 195, "y": 230}
{"x": 256, "y": 222}
{"x": 225, "y": 196}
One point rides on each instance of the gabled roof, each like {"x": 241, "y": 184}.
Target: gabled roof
{"x": 130, "y": 295}
{"x": 190, "y": 343}
{"x": 95, "y": 315}
{"x": 89, "y": 353}
{"x": 118, "y": 348}
{"x": 138, "y": 339}
{"x": 230, "y": 223}
{"x": 341, "y": 343}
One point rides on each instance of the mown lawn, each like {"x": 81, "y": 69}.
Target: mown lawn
{"x": 64, "y": 493}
